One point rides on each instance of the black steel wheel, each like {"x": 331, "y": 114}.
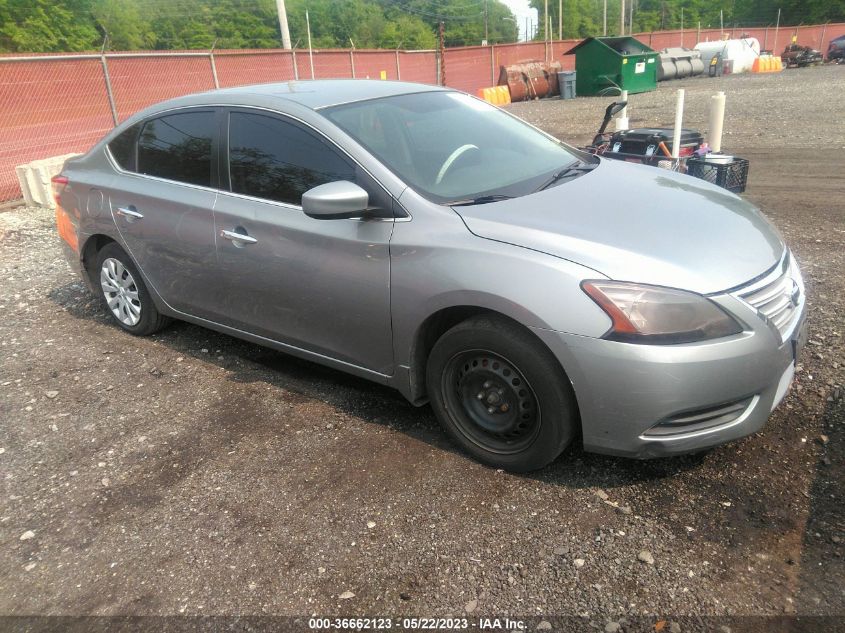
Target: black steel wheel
{"x": 501, "y": 394}
{"x": 491, "y": 402}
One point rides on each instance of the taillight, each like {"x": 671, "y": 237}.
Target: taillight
{"x": 64, "y": 224}
{"x": 59, "y": 183}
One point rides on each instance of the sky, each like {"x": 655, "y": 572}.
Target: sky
{"x": 522, "y": 10}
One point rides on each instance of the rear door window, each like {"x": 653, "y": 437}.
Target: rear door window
{"x": 178, "y": 147}
{"x": 277, "y": 160}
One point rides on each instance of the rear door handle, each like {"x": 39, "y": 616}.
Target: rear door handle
{"x": 130, "y": 214}
{"x": 237, "y": 237}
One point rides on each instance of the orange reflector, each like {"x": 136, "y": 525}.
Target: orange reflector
{"x": 67, "y": 231}
{"x": 621, "y": 322}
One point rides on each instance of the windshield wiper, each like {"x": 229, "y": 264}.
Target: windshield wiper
{"x": 572, "y": 169}
{"x": 478, "y": 200}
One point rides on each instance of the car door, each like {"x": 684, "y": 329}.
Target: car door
{"x": 162, "y": 201}
{"x": 319, "y": 285}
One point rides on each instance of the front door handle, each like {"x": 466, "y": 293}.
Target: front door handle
{"x": 129, "y": 213}
{"x": 237, "y": 238}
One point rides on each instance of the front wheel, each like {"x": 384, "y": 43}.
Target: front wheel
{"x": 501, "y": 394}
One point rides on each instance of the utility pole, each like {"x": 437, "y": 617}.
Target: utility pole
{"x": 546, "y": 32}
{"x": 310, "y": 50}
{"x": 546, "y": 22}
{"x": 560, "y": 19}
{"x": 604, "y": 21}
{"x": 682, "y": 27}
{"x": 622, "y": 19}
{"x": 631, "y": 18}
{"x": 486, "y": 20}
{"x": 283, "y": 23}
{"x": 777, "y": 26}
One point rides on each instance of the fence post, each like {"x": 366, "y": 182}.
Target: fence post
{"x": 398, "y": 72}
{"x": 109, "y": 91}
{"x": 441, "y": 67}
{"x": 352, "y": 61}
{"x": 766, "y": 39}
{"x": 295, "y": 68}
{"x": 213, "y": 68}
{"x": 493, "y": 65}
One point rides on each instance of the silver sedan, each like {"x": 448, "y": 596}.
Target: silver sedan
{"x": 423, "y": 239}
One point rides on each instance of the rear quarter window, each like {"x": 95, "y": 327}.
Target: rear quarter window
{"x": 122, "y": 148}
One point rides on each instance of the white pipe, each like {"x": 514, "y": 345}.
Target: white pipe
{"x": 717, "y": 120}
{"x": 679, "y": 119}
{"x": 621, "y": 121}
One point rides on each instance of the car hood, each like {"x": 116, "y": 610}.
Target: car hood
{"x": 637, "y": 223}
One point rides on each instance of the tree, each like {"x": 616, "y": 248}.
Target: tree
{"x": 122, "y": 21}
{"x": 78, "y": 25}
{"x": 46, "y": 25}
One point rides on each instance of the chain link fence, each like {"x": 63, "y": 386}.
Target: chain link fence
{"x": 58, "y": 104}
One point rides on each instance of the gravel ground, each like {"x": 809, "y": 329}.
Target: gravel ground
{"x": 192, "y": 473}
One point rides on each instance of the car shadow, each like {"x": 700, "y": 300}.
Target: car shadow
{"x": 822, "y": 564}
{"x": 246, "y": 362}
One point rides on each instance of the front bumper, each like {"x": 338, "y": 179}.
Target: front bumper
{"x": 648, "y": 401}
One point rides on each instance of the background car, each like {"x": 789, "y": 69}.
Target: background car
{"x": 836, "y": 50}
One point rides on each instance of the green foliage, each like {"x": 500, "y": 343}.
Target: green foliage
{"x": 582, "y": 18}
{"x": 464, "y": 20}
{"x": 45, "y": 25}
{"x": 76, "y": 25}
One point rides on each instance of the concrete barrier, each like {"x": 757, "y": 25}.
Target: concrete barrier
{"x": 34, "y": 179}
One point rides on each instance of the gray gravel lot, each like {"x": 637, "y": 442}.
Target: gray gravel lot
{"x": 192, "y": 473}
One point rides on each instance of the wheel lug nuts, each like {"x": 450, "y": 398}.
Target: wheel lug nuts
{"x": 480, "y": 396}
{"x": 504, "y": 407}
{"x": 486, "y": 385}
{"x": 491, "y": 410}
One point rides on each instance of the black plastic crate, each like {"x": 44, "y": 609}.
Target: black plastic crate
{"x": 732, "y": 176}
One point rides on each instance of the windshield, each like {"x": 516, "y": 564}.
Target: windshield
{"x": 449, "y": 146}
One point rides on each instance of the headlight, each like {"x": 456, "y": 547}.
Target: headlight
{"x": 652, "y": 314}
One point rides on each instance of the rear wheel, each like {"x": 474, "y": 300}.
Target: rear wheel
{"x": 124, "y": 294}
{"x": 501, "y": 394}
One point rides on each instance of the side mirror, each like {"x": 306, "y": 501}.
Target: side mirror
{"x": 335, "y": 201}
{"x": 617, "y": 106}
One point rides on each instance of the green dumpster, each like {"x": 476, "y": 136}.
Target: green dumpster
{"x": 607, "y": 65}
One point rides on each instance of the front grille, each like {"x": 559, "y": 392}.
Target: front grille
{"x": 776, "y": 300}
{"x": 702, "y": 419}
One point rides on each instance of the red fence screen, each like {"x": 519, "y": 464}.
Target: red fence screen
{"x": 57, "y": 104}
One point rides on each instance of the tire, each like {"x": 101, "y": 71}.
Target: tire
{"x": 500, "y": 394}
{"x": 129, "y": 303}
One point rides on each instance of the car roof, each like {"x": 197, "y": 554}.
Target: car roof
{"x": 313, "y": 94}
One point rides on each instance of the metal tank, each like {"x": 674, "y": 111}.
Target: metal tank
{"x": 677, "y": 63}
